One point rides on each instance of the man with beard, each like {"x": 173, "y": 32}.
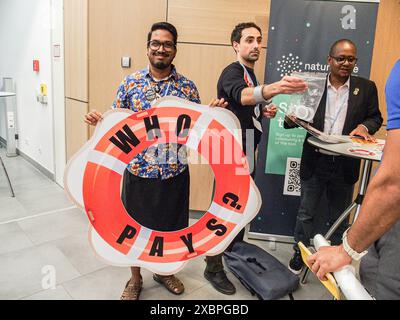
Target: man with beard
{"x": 155, "y": 188}
{"x": 249, "y": 101}
{"x": 349, "y": 106}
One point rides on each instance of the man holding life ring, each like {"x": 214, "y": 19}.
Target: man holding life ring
{"x": 155, "y": 190}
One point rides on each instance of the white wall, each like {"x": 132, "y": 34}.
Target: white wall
{"x": 58, "y": 90}
{"x": 26, "y": 32}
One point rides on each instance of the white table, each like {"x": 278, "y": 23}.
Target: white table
{"x": 366, "y": 152}
{"x": 5, "y": 95}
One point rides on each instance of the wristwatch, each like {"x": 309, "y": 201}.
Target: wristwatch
{"x": 350, "y": 251}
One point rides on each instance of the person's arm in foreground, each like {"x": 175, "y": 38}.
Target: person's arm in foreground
{"x": 379, "y": 212}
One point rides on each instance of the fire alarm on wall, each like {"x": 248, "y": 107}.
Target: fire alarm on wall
{"x": 36, "y": 65}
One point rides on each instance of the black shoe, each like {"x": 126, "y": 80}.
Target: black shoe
{"x": 220, "y": 282}
{"x": 296, "y": 264}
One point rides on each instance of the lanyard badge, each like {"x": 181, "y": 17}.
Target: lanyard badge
{"x": 257, "y": 112}
{"x": 153, "y": 93}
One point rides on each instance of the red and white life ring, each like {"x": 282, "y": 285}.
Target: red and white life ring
{"x": 93, "y": 181}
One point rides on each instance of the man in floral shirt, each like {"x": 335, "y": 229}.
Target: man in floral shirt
{"x": 133, "y": 94}
{"x": 155, "y": 190}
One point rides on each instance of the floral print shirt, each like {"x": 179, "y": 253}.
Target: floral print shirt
{"x": 164, "y": 160}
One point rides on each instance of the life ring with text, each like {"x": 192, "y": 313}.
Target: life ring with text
{"x": 94, "y": 175}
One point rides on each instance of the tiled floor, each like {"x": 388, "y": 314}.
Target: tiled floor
{"x": 40, "y": 227}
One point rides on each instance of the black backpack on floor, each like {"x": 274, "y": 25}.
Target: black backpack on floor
{"x": 261, "y": 273}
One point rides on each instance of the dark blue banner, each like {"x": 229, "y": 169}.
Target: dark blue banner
{"x": 300, "y": 36}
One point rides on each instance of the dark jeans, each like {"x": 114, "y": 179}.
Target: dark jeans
{"x": 328, "y": 177}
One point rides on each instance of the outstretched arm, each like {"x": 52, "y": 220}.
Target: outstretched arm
{"x": 379, "y": 212}
{"x": 286, "y": 85}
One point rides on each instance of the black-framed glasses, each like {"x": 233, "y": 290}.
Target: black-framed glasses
{"x": 155, "y": 45}
{"x": 341, "y": 60}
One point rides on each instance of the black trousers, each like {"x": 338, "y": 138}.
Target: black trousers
{"x": 327, "y": 178}
{"x": 161, "y": 205}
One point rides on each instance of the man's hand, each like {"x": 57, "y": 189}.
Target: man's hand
{"x": 286, "y": 85}
{"x": 362, "y": 132}
{"x": 328, "y": 259}
{"x": 93, "y": 117}
{"x": 270, "y": 111}
{"x": 218, "y": 103}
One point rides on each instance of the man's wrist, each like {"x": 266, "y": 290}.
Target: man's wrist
{"x": 266, "y": 92}
{"x": 345, "y": 254}
{"x": 366, "y": 128}
{"x": 353, "y": 254}
{"x": 259, "y": 96}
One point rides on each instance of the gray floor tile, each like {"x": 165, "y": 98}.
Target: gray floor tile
{"x": 12, "y": 238}
{"x": 55, "y": 226}
{"x": 21, "y": 271}
{"x": 44, "y": 199}
{"x": 10, "y": 208}
{"x": 312, "y": 290}
{"x": 32, "y": 182}
{"x": 105, "y": 284}
{"x": 23, "y": 175}
{"x": 79, "y": 252}
{"x": 57, "y": 294}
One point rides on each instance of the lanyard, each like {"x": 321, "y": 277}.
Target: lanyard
{"x": 153, "y": 94}
{"x": 247, "y": 77}
{"x": 257, "y": 112}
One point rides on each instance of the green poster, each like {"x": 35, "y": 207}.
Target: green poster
{"x": 282, "y": 143}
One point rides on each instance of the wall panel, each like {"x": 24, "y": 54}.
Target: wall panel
{"x": 386, "y": 47}
{"x": 76, "y": 49}
{"x": 201, "y": 182}
{"x": 212, "y": 21}
{"x": 76, "y": 130}
{"x": 204, "y": 63}
{"x": 116, "y": 29}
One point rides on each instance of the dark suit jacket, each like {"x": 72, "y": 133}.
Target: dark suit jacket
{"x": 363, "y": 108}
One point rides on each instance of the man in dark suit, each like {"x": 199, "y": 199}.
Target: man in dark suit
{"x": 349, "y": 106}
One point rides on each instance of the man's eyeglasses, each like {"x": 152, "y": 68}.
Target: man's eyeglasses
{"x": 341, "y": 60}
{"x": 155, "y": 45}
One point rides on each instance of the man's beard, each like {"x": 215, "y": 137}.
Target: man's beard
{"x": 252, "y": 58}
{"x": 161, "y": 65}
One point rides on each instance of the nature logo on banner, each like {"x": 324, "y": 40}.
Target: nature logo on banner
{"x": 299, "y": 38}
{"x": 93, "y": 179}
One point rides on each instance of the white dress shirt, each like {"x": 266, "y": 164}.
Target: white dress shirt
{"x": 336, "y": 108}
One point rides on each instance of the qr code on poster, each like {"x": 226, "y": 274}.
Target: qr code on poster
{"x": 292, "y": 177}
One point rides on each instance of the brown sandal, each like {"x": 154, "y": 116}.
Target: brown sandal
{"x": 132, "y": 290}
{"x": 172, "y": 283}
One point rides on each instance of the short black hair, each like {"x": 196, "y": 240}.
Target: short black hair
{"x": 335, "y": 44}
{"x": 237, "y": 32}
{"x": 163, "y": 26}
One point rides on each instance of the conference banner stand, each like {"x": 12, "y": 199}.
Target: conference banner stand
{"x": 301, "y": 46}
